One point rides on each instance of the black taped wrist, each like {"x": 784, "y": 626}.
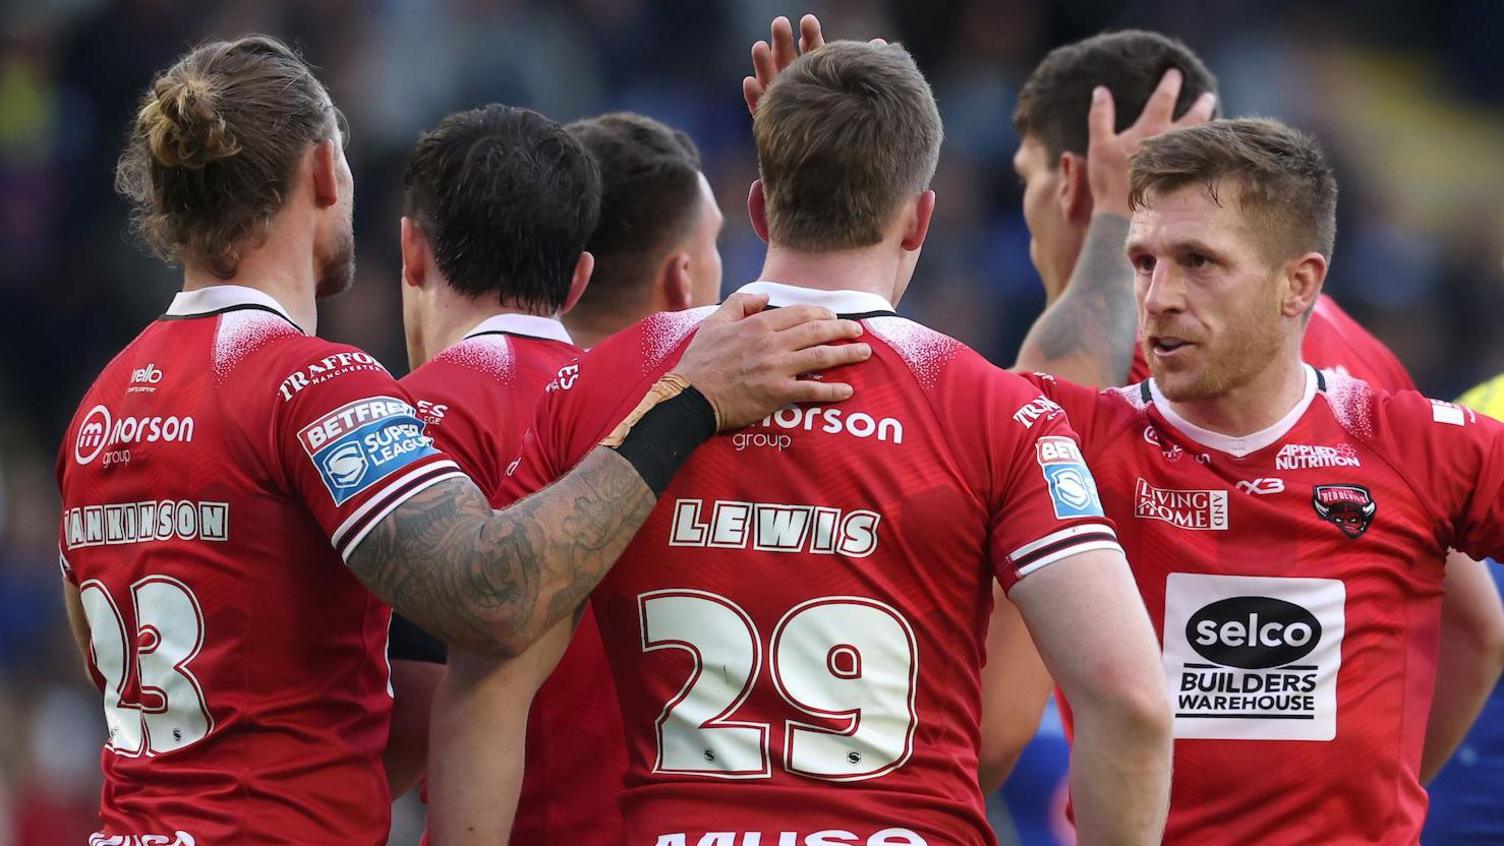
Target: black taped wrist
{"x": 659, "y": 443}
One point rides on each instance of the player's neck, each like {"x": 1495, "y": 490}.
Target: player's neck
{"x": 1253, "y": 407}
{"x": 291, "y": 288}
{"x": 588, "y": 328}
{"x": 871, "y": 269}
{"x": 449, "y": 316}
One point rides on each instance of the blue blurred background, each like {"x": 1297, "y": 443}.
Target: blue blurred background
{"x": 1406, "y": 95}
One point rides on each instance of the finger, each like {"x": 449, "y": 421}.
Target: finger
{"x": 827, "y": 357}
{"x": 815, "y": 390}
{"x": 752, "y": 91}
{"x": 787, "y": 317}
{"x": 736, "y": 307}
{"x": 810, "y": 35}
{"x": 763, "y": 65}
{"x": 1100, "y": 120}
{"x": 1200, "y": 111}
{"x": 1161, "y": 106}
{"x": 783, "y": 42}
{"x": 881, "y": 42}
{"x": 818, "y": 332}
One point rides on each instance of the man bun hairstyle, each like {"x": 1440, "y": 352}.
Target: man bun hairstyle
{"x": 507, "y": 200}
{"x": 1056, "y": 98}
{"x": 1281, "y": 175}
{"x": 844, "y": 135}
{"x": 214, "y": 147}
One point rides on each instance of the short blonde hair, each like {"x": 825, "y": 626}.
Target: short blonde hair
{"x": 844, "y": 135}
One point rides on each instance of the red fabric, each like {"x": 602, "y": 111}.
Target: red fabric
{"x": 478, "y": 397}
{"x": 1332, "y": 750}
{"x": 248, "y": 694}
{"x": 796, "y": 632}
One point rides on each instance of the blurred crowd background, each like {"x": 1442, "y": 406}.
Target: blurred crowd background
{"x": 1406, "y": 95}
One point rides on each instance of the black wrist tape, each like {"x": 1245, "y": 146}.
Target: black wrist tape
{"x": 665, "y": 436}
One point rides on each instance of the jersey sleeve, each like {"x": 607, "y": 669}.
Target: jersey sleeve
{"x": 1089, "y": 410}
{"x": 1043, "y": 501}
{"x": 545, "y": 454}
{"x": 349, "y": 444}
{"x": 1454, "y": 458}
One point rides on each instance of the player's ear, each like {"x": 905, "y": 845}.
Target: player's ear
{"x": 917, "y": 224}
{"x": 414, "y": 253}
{"x": 1303, "y": 280}
{"x": 325, "y": 167}
{"x": 676, "y": 288}
{"x": 757, "y": 210}
{"x": 579, "y": 280}
{"x": 1074, "y": 190}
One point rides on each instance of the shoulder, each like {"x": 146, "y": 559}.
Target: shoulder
{"x": 928, "y": 354}
{"x": 1404, "y": 419}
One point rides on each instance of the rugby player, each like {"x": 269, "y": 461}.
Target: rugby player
{"x": 796, "y": 636}
{"x": 242, "y": 499}
{"x": 1287, "y": 526}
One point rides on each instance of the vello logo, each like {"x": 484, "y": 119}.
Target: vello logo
{"x": 1253, "y": 632}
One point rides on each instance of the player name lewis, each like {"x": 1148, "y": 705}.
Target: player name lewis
{"x": 771, "y": 527}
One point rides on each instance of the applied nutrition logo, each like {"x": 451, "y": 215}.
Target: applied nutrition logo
{"x": 1252, "y": 657}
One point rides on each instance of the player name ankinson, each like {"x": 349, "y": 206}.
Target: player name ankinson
{"x": 774, "y": 527}
{"x": 1310, "y": 457}
{"x": 327, "y": 368}
{"x": 140, "y": 522}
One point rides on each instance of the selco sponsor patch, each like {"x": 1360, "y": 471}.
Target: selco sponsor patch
{"x": 1253, "y": 658}
{"x": 1073, "y": 492}
{"x": 360, "y": 443}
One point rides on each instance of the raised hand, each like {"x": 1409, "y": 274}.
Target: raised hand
{"x": 769, "y": 60}
{"x": 748, "y": 362}
{"x": 1108, "y": 151}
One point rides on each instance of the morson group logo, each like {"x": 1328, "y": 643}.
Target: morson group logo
{"x": 1350, "y": 507}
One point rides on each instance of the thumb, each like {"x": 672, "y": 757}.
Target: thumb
{"x": 737, "y": 307}
{"x": 1100, "y": 119}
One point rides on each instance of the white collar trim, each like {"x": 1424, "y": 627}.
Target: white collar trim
{"x": 840, "y": 302}
{"x": 1238, "y": 447}
{"x": 528, "y": 325}
{"x": 219, "y": 297}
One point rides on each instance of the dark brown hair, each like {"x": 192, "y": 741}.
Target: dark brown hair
{"x": 844, "y": 135}
{"x": 215, "y": 144}
{"x": 650, "y": 199}
{"x": 1054, "y": 101}
{"x": 507, "y": 199}
{"x": 1280, "y": 173}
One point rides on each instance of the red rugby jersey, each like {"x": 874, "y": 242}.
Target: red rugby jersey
{"x": 1294, "y": 577}
{"x": 213, "y": 476}
{"x": 478, "y": 397}
{"x": 796, "y": 632}
{"x": 1333, "y": 341}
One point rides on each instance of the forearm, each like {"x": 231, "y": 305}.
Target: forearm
{"x": 1088, "y": 335}
{"x": 1470, "y": 661}
{"x": 1120, "y": 777}
{"x": 406, "y": 756}
{"x": 493, "y": 582}
{"x": 478, "y": 740}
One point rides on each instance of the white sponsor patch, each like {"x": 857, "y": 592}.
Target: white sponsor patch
{"x": 1448, "y": 413}
{"x": 1198, "y": 510}
{"x": 1253, "y": 658}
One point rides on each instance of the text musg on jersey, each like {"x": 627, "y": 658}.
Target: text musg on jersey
{"x": 363, "y": 442}
{"x": 1252, "y": 657}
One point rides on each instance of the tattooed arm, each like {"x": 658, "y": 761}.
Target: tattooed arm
{"x": 493, "y": 582}
{"x": 1087, "y": 336}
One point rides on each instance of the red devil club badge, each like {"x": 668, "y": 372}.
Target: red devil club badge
{"x": 1351, "y": 507}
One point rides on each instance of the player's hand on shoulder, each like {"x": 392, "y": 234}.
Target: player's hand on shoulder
{"x": 1108, "y": 151}
{"x": 747, "y": 362}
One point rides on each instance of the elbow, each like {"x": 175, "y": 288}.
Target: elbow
{"x": 1130, "y": 707}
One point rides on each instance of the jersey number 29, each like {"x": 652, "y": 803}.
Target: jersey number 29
{"x": 843, "y": 659}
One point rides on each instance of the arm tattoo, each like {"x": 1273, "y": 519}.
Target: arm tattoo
{"x": 496, "y": 581}
{"x": 1088, "y": 335}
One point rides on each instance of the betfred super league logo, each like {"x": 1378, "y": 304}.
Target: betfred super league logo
{"x": 1350, "y": 507}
